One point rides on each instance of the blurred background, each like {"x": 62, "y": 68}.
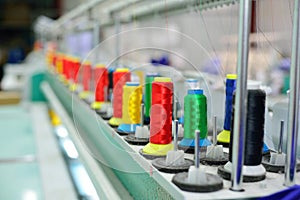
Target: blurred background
{"x": 215, "y": 30}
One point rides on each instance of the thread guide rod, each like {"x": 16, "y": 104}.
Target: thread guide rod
{"x": 241, "y": 96}
{"x": 215, "y": 131}
{"x": 293, "y": 111}
{"x": 175, "y": 134}
{"x": 142, "y": 114}
{"x": 280, "y": 137}
{"x": 197, "y": 159}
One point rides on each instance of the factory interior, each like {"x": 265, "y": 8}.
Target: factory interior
{"x": 149, "y": 99}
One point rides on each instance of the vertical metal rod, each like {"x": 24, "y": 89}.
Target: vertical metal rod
{"x": 175, "y": 135}
{"x": 280, "y": 137}
{"x": 241, "y": 96}
{"x": 197, "y": 159}
{"x": 215, "y": 131}
{"x": 293, "y": 116}
{"x": 175, "y": 108}
{"x": 142, "y": 114}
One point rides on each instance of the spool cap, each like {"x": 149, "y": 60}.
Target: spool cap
{"x": 191, "y": 80}
{"x": 253, "y": 85}
{"x": 231, "y": 76}
{"x": 132, "y": 83}
{"x": 162, "y": 79}
{"x": 122, "y": 70}
{"x": 195, "y": 91}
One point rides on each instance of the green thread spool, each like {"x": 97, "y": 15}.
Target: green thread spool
{"x": 148, "y": 92}
{"x": 195, "y": 114}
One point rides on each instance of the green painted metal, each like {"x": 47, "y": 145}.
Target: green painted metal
{"x": 36, "y": 93}
{"x": 112, "y": 152}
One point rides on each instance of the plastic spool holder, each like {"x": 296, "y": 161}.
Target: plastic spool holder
{"x": 175, "y": 161}
{"x": 214, "y": 153}
{"x": 275, "y": 162}
{"x": 195, "y": 180}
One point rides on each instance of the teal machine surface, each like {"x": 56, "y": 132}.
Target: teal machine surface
{"x": 111, "y": 151}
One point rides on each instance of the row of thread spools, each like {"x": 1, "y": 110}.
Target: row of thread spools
{"x": 147, "y": 119}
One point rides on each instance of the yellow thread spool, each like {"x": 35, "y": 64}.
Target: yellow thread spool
{"x": 132, "y": 98}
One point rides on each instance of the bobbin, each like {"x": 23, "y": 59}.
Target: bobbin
{"x": 253, "y": 170}
{"x": 159, "y": 127}
{"x": 128, "y": 126}
{"x": 188, "y": 142}
{"x": 101, "y": 86}
{"x": 147, "y": 97}
{"x": 75, "y": 66}
{"x": 223, "y": 137}
{"x": 120, "y": 77}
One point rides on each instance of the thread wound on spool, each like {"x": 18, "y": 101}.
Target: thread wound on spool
{"x": 101, "y": 84}
{"x": 75, "y": 69}
{"x": 195, "y": 114}
{"x": 148, "y": 91}
{"x": 254, "y": 128}
{"x": 230, "y": 88}
{"x": 161, "y": 111}
{"x": 120, "y": 77}
{"x": 86, "y": 76}
{"x": 132, "y": 98}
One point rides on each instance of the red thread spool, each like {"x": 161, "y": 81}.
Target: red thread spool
{"x": 120, "y": 77}
{"x": 101, "y": 83}
{"x": 161, "y": 111}
{"x": 64, "y": 66}
{"x": 86, "y": 75}
{"x": 75, "y": 69}
{"x": 67, "y": 65}
{"x": 54, "y": 60}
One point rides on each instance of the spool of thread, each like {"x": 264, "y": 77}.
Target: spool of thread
{"x": 101, "y": 86}
{"x": 148, "y": 95}
{"x": 65, "y": 67}
{"x": 224, "y": 136}
{"x": 195, "y": 118}
{"x": 161, "y": 118}
{"x": 59, "y": 64}
{"x": 86, "y": 75}
{"x": 131, "y": 109}
{"x": 254, "y": 128}
{"x": 54, "y": 58}
{"x": 252, "y": 169}
{"x": 101, "y": 83}
{"x": 120, "y": 77}
{"x": 76, "y": 67}
{"x": 110, "y": 85}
